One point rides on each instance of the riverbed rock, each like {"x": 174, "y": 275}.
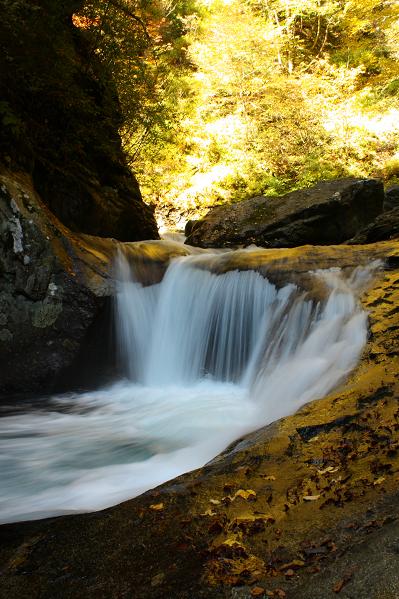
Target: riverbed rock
{"x": 329, "y": 213}
{"x": 306, "y": 507}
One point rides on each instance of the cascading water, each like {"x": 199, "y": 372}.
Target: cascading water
{"x": 208, "y": 357}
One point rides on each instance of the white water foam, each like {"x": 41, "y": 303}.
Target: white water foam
{"x": 208, "y": 358}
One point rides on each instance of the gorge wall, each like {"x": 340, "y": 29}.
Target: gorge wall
{"x": 60, "y": 116}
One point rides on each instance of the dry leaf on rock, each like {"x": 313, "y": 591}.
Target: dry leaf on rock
{"x": 289, "y": 572}
{"x": 328, "y": 470}
{"x": 379, "y": 481}
{"x": 296, "y": 563}
{"x": 337, "y": 588}
{"x": 208, "y": 513}
{"x": 257, "y": 592}
{"x": 247, "y": 494}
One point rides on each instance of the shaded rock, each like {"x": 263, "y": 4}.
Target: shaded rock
{"x": 190, "y": 226}
{"x": 56, "y": 290}
{"x": 60, "y": 118}
{"x": 49, "y": 296}
{"x": 385, "y": 226}
{"x": 308, "y": 432}
{"x": 391, "y": 198}
{"x": 328, "y": 213}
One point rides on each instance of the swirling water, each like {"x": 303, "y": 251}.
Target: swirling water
{"x": 208, "y": 357}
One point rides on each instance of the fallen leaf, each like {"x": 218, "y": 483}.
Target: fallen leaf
{"x": 289, "y": 572}
{"x": 257, "y": 592}
{"x": 237, "y": 570}
{"x": 328, "y": 470}
{"x": 379, "y": 481}
{"x": 270, "y": 477}
{"x": 296, "y": 563}
{"x": 246, "y": 494}
{"x": 280, "y": 593}
{"x": 245, "y": 469}
{"x": 157, "y": 580}
{"x": 228, "y": 487}
{"x": 311, "y": 497}
{"x": 208, "y": 513}
{"x": 156, "y": 506}
{"x": 226, "y": 500}
{"x": 214, "y": 501}
{"x": 252, "y": 524}
{"x": 337, "y": 588}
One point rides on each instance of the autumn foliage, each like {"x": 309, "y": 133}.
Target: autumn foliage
{"x": 224, "y": 99}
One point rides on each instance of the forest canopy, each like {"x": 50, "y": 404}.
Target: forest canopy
{"x": 224, "y": 99}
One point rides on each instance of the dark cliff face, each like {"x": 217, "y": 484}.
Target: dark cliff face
{"x": 60, "y": 116}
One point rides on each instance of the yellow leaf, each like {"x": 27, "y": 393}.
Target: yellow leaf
{"x": 379, "y": 481}
{"x": 244, "y": 494}
{"x": 208, "y": 513}
{"x": 257, "y": 592}
{"x": 156, "y": 506}
{"x": 329, "y": 470}
{"x": 214, "y": 501}
{"x": 311, "y": 497}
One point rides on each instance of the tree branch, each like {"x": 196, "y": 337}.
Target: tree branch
{"x": 123, "y": 8}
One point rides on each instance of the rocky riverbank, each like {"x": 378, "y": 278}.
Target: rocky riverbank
{"x": 55, "y": 295}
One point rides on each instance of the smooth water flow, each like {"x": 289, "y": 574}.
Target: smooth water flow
{"x": 208, "y": 357}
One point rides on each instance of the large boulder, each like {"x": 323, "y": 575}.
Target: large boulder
{"x": 329, "y": 213}
{"x": 60, "y": 119}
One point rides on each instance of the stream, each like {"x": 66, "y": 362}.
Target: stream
{"x": 208, "y": 356}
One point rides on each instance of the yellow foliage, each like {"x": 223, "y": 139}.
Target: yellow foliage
{"x": 284, "y": 93}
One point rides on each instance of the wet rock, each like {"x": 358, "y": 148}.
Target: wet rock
{"x": 50, "y": 296}
{"x": 328, "y": 213}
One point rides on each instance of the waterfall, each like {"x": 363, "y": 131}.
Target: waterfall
{"x": 238, "y": 327}
{"x": 208, "y": 356}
